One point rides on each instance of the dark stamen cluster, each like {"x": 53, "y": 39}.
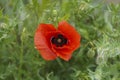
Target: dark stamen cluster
{"x": 59, "y": 40}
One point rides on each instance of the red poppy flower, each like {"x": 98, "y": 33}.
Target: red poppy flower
{"x": 60, "y": 42}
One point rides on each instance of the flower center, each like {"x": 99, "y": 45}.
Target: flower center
{"x": 59, "y": 40}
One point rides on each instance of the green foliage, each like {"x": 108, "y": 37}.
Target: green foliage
{"x": 98, "y": 22}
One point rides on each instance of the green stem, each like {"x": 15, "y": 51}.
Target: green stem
{"x": 60, "y": 63}
{"x": 21, "y": 61}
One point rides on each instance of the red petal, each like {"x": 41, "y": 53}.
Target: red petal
{"x": 41, "y": 42}
{"x": 65, "y": 55}
{"x": 70, "y": 32}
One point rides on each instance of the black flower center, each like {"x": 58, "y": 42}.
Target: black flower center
{"x": 59, "y": 40}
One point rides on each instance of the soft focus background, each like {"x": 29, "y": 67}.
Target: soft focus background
{"x": 98, "y": 22}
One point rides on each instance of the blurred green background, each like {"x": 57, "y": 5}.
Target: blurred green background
{"x": 98, "y": 23}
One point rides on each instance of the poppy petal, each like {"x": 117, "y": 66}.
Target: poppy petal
{"x": 70, "y": 32}
{"x": 64, "y": 49}
{"x": 65, "y": 56}
{"x": 63, "y": 53}
{"x": 42, "y": 44}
